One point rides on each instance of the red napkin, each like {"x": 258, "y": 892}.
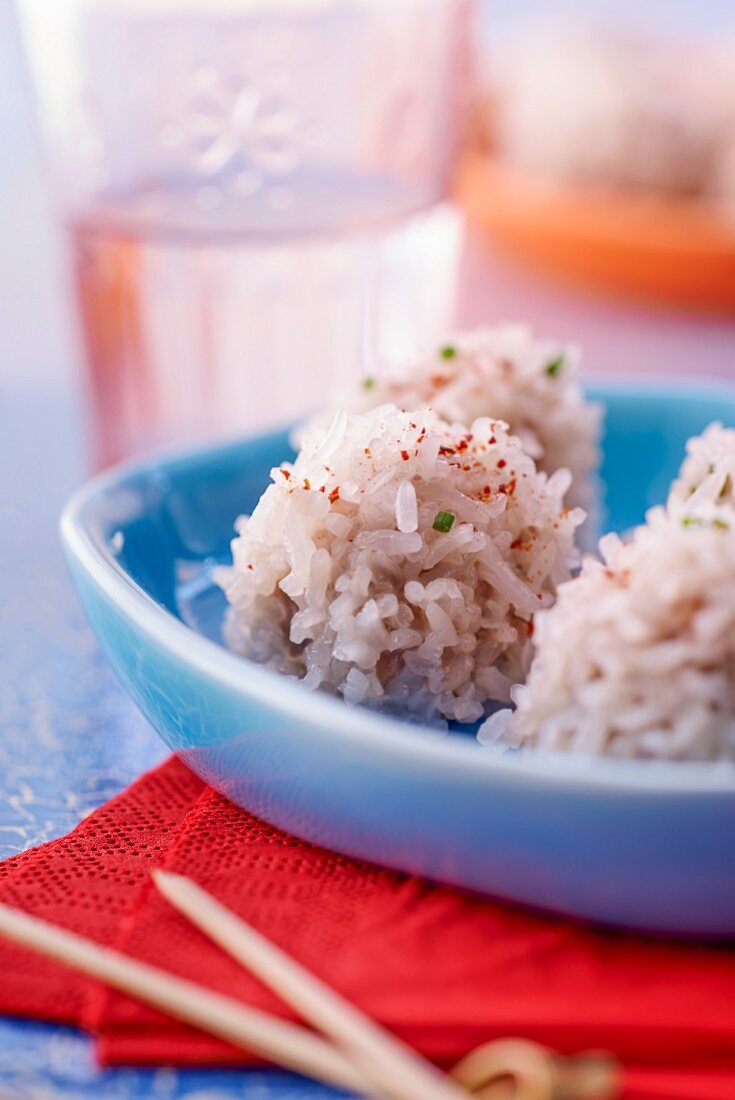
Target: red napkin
{"x": 86, "y": 882}
{"x": 443, "y": 969}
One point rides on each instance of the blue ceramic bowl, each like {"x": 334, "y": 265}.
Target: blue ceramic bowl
{"x": 642, "y": 845}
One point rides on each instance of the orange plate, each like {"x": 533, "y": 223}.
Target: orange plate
{"x": 672, "y": 251}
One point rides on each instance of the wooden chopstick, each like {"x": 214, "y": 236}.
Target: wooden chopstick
{"x": 391, "y": 1065}
{"x": 286, "y": 1044}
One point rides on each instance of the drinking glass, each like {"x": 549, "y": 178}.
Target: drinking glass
{"x": 255, "y": 194}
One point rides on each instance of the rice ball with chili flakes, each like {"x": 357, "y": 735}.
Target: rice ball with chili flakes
{"x": 398, "y": 563}
{"x": 505, "y": 372}
{"x": 637, "y": 657}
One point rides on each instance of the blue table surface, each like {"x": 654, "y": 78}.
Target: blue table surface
{"x": 69, "y": 740}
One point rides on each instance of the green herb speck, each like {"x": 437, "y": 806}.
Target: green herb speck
{"x": 448, "y": 352}
{"x": 368, "y": 383}
{"x": 694, "y": 521}
{"x": 554, "y": 366}
{"x": 444, "y": 521}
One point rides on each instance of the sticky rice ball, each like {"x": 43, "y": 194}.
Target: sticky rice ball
{"x": 637, "y": 657}
{"x": 507, "y": 373}
{"x": 398, "y": 562}
{"x": 705, "y": 488}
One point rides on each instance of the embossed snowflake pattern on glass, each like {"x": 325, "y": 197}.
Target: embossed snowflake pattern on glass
{"x": 256, "y": 196}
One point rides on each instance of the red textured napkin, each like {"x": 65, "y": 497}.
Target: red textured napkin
{"x": 87, "y": 882}
{"x": 443, "y": 969}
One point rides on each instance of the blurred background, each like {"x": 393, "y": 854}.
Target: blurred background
{"x": 551, "y": 257}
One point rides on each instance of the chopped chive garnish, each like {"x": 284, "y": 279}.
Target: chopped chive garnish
{"x": 368, "y": 383}
{"x": 694, "y": 521}
{"x": 554, "y": 366}
{"x": 444, "y": 521}
{"x": 448, "y": 352}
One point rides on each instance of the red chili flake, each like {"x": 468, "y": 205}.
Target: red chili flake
{"x": 250, "y": 567}
{"x": 492, "y": 440}
{"x": 307, "y": 483}
{"x": 486, "y": 490}
{"x": 404, "y": 456}
{"x": 466, "y": 467}
{"x": 447, "y": 450}
{"x": 516, "y": 544}
{"x": 530, "y": 629}
{"x": 508, "y": 488}
{"x": 286, "y": 473}
{"x": 322, "y": 488}
{"x": 334, "y": 495}
{"x": 502, "y": 464}
{"x": 412, "y": 424}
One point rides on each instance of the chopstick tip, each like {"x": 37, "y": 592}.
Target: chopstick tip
{"x": 169, "y": 883}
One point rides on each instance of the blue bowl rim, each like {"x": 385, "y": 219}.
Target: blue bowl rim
{"x": 386, "y": 735}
